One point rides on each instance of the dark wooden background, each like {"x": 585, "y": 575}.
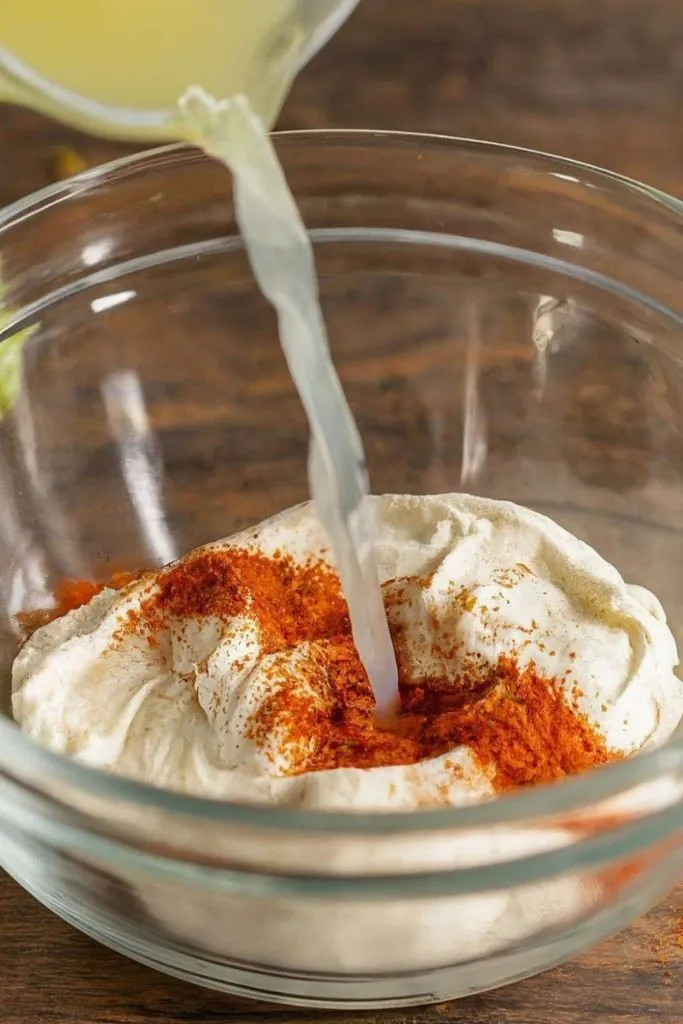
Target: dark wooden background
{"x": 597, "y": 80}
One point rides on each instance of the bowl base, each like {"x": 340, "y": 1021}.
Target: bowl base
{"x": 337, "y": 991}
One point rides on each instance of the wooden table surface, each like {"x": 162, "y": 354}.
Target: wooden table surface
{"x": 597, "y": 80}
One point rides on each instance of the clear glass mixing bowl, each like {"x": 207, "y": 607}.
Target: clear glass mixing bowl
{"x": 503, "y": 322}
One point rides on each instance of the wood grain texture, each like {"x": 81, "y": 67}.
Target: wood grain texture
{"x": 597, "y": 80}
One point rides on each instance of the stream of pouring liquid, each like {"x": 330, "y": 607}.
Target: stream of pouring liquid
{"x": 282, "y": 260}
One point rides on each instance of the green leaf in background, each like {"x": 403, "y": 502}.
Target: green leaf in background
{"x": 11, "y": 359}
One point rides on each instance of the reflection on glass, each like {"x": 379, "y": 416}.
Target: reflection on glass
{"x": 474, "y": 440}
{"x": 94, "y": 252}
{"x": 140, "y": 460}
{"x": 572, "y": 238}
{"x": 105, "y": 302}
{"x": 59, "y": 537}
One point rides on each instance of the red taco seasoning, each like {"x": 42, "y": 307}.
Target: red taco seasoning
{"x": 518, "y": 724}
{"x": 71, "y": 594}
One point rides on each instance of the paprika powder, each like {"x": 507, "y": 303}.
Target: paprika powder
{"x": 520, "y": 726}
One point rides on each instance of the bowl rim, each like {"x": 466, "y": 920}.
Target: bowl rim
{"x": 35, "y": 201}
{"x": 22, "y": 758}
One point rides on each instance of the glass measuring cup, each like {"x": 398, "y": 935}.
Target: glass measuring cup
{"x": 118, "y": 69}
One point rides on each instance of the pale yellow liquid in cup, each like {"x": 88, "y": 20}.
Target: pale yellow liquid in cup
{"x": 141, "y": 56}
